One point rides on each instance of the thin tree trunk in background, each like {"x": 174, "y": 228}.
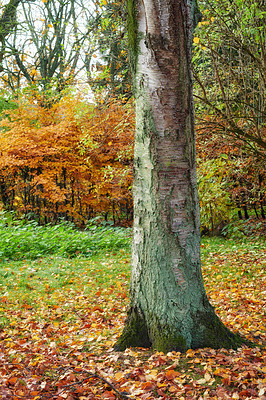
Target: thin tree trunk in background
{"x": 169, "y": 309}
{"x": 261, "y": 197}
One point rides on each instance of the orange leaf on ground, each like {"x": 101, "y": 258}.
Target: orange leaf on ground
{"x": 108, "y": 395}
{"x": 171, "y": 374}
{"x": 147, "y": 385}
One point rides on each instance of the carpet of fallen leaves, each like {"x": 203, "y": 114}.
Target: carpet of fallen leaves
{"x": 56, "y": 341}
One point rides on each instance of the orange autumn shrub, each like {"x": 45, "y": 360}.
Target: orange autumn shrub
{"x": 72, "y": 160}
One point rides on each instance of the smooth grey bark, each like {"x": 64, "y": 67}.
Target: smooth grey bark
{"x": 169, "y": 309}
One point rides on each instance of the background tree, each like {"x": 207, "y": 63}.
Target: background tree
{"x": 169, "y": 309}
{"x": 230, "y": 182}
{"x": 49, "y": 45}
{"x": 110, "y": 71}
{"x": 53, "y": 41}
{"x": 229, "y": 71}
{"x": 7, "y": 25}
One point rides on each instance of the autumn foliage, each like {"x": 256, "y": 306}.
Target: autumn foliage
{"x": 71, "y": 160}
{"x": 230, "y": 179}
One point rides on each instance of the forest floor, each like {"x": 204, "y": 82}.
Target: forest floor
{"x": 59, "y": 319}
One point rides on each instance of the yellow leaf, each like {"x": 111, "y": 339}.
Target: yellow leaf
{"x": 172, "y": 389}
{"x": 196, "y": 39}
{"x": 153, "y": 373}
{"x": 197, "y": 361}
{"x": 190, "y": 353}
{"x": 160, "y": 385}
{"x": 217, "y": 372}
{"x": 118, "y": 376}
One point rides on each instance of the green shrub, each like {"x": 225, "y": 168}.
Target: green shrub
{"x": 215, "y": 203}
{"x": 20, "y": 239}
{"x": 240, "y": 229}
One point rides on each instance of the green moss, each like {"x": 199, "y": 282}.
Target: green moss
{"x": 166, "y": 342}
{"x": 132, "y": 28}
{"x": 166, "y": 338}
{"x": 135, "y": 332}
{"x": 209, "y": 331}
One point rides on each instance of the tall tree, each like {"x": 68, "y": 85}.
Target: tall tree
{"x": 49, "y": 46}
{"x": 230, "y": 71}
{"x": 169, "y": 308}
{"x": 110, "y": 73}
{"x": 7, "y": 25}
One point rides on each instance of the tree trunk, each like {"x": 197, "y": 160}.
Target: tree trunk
{"x": 169, "y": 309}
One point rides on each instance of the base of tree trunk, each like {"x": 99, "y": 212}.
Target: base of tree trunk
{"x": 208, "y": 331}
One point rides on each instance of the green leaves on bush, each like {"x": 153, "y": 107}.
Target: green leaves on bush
{"x": 215, "y": 204}
{"x": 28, "y": 240}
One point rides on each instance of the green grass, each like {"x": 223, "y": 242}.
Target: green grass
{"x": 48, "y": 278}
{"x": 45, "y": 261}
{"x": 26, "y": 277}
{"x": 212, "y": 245}
{"x": 233, "y": 261}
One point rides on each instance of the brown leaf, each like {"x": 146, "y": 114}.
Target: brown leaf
{"x": 171, "y": 374}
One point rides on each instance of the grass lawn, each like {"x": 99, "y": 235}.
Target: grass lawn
{"x": 59, "y": 318}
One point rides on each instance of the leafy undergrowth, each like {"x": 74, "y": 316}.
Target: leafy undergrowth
{"x": 21, "y": 239}
{"x": 61, "y": 317}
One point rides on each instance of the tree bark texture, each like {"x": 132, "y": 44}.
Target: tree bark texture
{"x": 169, "y": 309}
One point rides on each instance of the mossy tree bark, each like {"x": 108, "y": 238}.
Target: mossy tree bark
{"x": 169, "y": 308}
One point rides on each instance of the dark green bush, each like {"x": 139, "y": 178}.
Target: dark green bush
{"x": 20, "y": 239}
